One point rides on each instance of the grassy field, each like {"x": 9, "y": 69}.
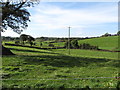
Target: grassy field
{"x": 45, "y": 44}
{"x": 55, "y": 68}
{"x": 109, "y": 43}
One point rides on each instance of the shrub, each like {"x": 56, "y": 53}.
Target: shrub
{"x": 17, "y": 42}
{"x": 118, "y": 33}
{"x": 31, "y": 43}
{"x": 40, "y": 44}
{"x": 34, "y": 43}
{"x": 88, "y": 46}
{"x": 75, "y": 44}
{"x": 106, "y": 35}
{"x": 51, "y": 45}
{"x": 66, "y": 45}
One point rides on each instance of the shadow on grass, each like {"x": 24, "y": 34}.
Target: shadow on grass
{"x": 30, "y": 51}
{"x": 60, "y": 60}
{"x": 67, "y": 61}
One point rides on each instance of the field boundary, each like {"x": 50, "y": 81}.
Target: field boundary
{"x": 56, "y": 48}
{"x": 33, "y": 46}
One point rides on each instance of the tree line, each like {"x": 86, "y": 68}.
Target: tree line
{"x": 8, "y": 38}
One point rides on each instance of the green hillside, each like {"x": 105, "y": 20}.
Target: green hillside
{"x": 109, "y": 43}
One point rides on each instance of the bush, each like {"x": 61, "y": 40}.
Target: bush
{"x": 31, "y": 43}
{"x": 51, "y": 45}
{"x": 34, "y": 43}
{"x": 75, "y": 44}
{"x": 40, "y": 44}
{"x": 17, "y": 42}
{"x": 66, "y": 45}
{"x": 118, "y": 33}
{"x": 106, "y": 35}
{"x": 88, "y": 46}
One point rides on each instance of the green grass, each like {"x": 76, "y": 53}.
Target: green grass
{"x": 45, "y": 44}
{"x": 109, "y": 43}
{"x": 37, "y": 68}
{"x": 88, "y": 53}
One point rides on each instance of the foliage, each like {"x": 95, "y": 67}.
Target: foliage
{"x": 34, "y": 43}
{"x": 41, "y": 44}
{"x": 17, "y": 42}
{"x": 68, "y": 44}
{"x": 75, "y": 44}
{"x": 88, "y": 46}
{"x": 31, "y": 43}
{"x": 30, "y": 38}
{"x": 106, "y": 35}
{"x": 107, "y": 43}
{"x": 24, "y": 37}
{"x": 118, "y": 33}
{"x": 15, "y": 15}
{"x": 50, "y": 45}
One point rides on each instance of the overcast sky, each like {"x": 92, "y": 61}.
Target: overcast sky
{"x": 51, "y": 19}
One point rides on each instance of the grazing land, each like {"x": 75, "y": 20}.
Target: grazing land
{"x": 54, "y": 55}
{"x": 108, "y": 43}
{"x": 55, "y": 68}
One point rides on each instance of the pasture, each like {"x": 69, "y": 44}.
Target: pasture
{"x": 107, "y": 43}
{"x": 59, "y": 45}
{"x": 55, "y": 68}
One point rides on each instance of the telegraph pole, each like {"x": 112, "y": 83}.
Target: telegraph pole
{"x": 69, "y": 39}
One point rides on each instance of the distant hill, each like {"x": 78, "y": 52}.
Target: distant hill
{"x": 108, "y": 43}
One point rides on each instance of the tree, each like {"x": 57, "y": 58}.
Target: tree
{"x": 23, "y": 37}
{"x": 68, "y": 45}
{"x": 118, "y": 33}
{"x": 30, "y": 39}
{"x": 15, "y": 16}
{"x": 75, "y": 44}
{"x": 106, "y": 35}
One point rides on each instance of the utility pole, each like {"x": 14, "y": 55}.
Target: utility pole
{"x": 69, "y": 39}
{"x": 0, "y": 47}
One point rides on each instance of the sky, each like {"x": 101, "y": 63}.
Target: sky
{"x": 86, "y": 19}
